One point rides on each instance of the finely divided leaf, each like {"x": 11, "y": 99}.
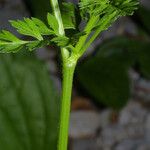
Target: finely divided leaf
{"x": 31, "y": 27}
{"x": 126, "y": 7}
{"x": 105, "y": 12}
{"x": 61, "y": 41}
{"x": 100, "y": 14}
{"x": 27, "y": 27}
{"x": 44, "y": 30}
{"x": 68, "y": 15}
{"x": 7, "y": 36}
{"x": 53, "y": 23}
{"x": 9, "y": 42}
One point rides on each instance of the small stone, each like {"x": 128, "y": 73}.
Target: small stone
{"x": 105, "y": 118}
{"x": 142, "y": 90}
{"x": 84, "y": 144}
{"x": 135, "y": 131}
{"x": 52, "y": 67}
{"x": 11, "y": 9}
{"x": 134, "y": 76}
{"x": 127, "y": 145}
{"x": 144, "y": 146}
{"x": 145, "y": 3}
{"x": 57, "y": 83}
{"x": 83, "y": 124}
{"x": 147, "y": 124}
{"x": 132, "y": 113}
{"x": 45, "y": 53}
{"x": 110, "y": 135}
{"x": 117, "y": 133}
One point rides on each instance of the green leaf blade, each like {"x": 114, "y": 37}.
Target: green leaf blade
{"x": 53, "y": 23}
{"x": 27, "y": 128}
{"x": 27, "y": 27}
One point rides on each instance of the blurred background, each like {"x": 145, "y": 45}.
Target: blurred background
{"x": 111, "y": 94}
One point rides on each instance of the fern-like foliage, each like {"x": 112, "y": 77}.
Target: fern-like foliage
{"x": 106, "y": 9}
{"x": 40, "y": 33}
{"x": 99, "y": 14}
{"x": 98, "y": 7}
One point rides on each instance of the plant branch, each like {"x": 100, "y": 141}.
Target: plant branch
{"x": 87, "y": 30}
{"x": 55, "y": 5}
{"x": 69, "y": 64}
{"x": 96, "y": 33}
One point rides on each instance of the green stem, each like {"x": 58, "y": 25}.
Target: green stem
{"x": 87, "y": 30}
{"x": 68, "y": 71}
{"x": 69, "y": 64}
{"x": 97, "y": 32}
{"x": 57, "y": 14}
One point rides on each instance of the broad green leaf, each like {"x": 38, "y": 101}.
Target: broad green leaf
{"x": 106, "y": 79}
{"x": 130, "y": 51}
{"x": 53, "y": 23}
{"x": 68, "y": 15}
{"x": 123, "y": 48}
{"x": 28, "y": 105}
{"x": 144, "y": 59}
{"x": 143, "y": 14}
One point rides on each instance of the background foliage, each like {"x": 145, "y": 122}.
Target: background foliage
{"x": 29, "y": 104}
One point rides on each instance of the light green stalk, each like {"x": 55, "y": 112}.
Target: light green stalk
{"x": 57, "y": 14}
{"x": 69, "y": 64}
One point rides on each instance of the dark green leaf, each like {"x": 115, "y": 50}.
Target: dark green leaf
{"x": 106, "y": 79}
{"x": 28, "y": 105}
{"x": 68, "y": 15}
{"x": 144, "y": 16}
{"x": 144, "y": 59}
